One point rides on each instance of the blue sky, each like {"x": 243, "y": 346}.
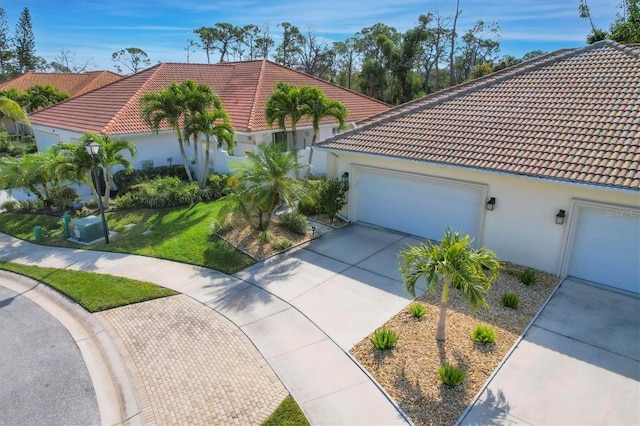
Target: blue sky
{"x": 95, "y": 29}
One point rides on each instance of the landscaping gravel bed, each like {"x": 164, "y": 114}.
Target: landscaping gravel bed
{"x": 409, "y": 372}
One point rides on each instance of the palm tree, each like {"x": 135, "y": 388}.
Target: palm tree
{"x": 31, "y": 171}
{"x": 11, "y": 110}
{"x": 73, "y": 162}
{"x": 318, "y": 107}
{"x": 215, "y": 123}
{"x": 263, "y": 182}
{"x": 286, "y": 102}
{"x": 454, "y": 262}
{"x": 42, "y": 96}
{"x": 204, "y": 110}
{"x": 111, "y": 154}
{"x": 168, "y": 106}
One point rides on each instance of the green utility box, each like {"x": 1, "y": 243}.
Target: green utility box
{"x": 86, "y": 230}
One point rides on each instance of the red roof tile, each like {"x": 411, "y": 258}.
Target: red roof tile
{"x": 242, "y": 86}
{"x": 72, "y": 83}
{"x": 549, "y": 117}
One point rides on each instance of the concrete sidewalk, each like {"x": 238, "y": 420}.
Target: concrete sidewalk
{"x": 292, "y": 307}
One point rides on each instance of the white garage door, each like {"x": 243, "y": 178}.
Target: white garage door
{"x": 417, "y": 205}
{"x": 606, "y": 247}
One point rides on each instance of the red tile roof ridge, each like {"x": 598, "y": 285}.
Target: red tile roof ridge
{"x": 254, "y": 104}
{"x": 138, "y": 94}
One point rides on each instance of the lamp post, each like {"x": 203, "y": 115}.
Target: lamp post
{"x": 93, "y": 148}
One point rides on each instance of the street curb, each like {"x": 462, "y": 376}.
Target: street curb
{"x": 115, "y": 393}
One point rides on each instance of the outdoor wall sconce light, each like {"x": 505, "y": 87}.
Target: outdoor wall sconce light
{"x": 491, "y": 204}
{"x": 345, "y": 181}
{"x": 560, "y": 217}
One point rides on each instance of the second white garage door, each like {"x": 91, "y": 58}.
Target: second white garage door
{"x": 417, "y": 205}
{"x": 606, "y": 247}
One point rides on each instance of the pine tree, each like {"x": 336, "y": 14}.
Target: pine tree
{"x": 24, "y": 43}
{"x": 6, "y": 53}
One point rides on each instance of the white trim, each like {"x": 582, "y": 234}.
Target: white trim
{"x": 572, "y": 224}
{"x": 354, "y": 169}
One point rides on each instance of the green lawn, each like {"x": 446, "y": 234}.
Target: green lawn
{"x": 180, "y": 234}
{"x": 288, "y": 413}
{"x": 94, "y": 292}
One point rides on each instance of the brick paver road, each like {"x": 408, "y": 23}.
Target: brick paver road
{"x": 190, "y": 365}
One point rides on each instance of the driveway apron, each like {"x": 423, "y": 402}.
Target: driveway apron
{"x": 579, "y": 364}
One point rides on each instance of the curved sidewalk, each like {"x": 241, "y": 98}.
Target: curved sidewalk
{"x": 324, "y": 379}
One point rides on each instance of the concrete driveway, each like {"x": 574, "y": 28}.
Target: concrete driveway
{"x": 346, "y": 282}
{"x": 578, "y": 364}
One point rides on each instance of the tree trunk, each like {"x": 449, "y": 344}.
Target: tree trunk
{"x": 313, "y": 142}
{"x": 184, "y": 155}
{"x": 205, "y": 173}
{"x": 442, "y": 321}
{"x": 452, "y": 72}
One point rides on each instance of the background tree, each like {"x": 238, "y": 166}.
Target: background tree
{"x": 452, "y": 50}
{"x": 264, "y": 42}
{"x": 316, "y": 56}
{"x": 42, "y": 96}
{"x": 6, "y": 53}
{"x": 261, "y": 183}
{"x": 289, "y": 50}
{"x": 344, "y": 61}
{"x": 207, "y": 40}
{"x": 24, "y": 44}
{"x": 454, "y": 263}
{"x": 626, "y": 28}
{"x": 65, "y": 61}
{"x": 191, "y": 46}
{"x": 134, "y": 59}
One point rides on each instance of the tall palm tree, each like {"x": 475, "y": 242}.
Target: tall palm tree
{"x": 318, "y": 107}
{"x": 452, "y": 262}
{"x": 285, "y": 103}
{"x": 262, "y": 183}
{"x": 215, "y": 123}
{"x": 167, "y": 106}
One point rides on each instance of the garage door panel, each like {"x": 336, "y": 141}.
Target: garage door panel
{"x": 415, "y": 205}
{"x": 606, "y": 248}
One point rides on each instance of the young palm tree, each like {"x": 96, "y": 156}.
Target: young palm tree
{"x": 317, "y": 107}
{"x": 286, "y": 102}
{"x": 454, "y": 262}
{"x": 30, "y": 171}
{"x": 168, "y": 106}
{"x": 263, "y": 182}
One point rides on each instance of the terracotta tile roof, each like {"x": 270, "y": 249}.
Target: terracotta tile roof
{"x": 572, "y": 115}
{"x": 243, "y": 87}
{"x": 72, "y": 83}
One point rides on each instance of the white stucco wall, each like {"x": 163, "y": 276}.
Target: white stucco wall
{"x": 522, "y": 227}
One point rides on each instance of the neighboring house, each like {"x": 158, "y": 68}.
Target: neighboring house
{"x": 75, "y": 84}
{"x": 539, "y": 162}
{"x": 243, "y": 87}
